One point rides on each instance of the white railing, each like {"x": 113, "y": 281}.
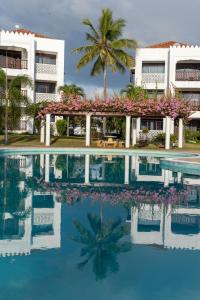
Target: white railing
{"x": 45, "y": 68}
{"x": 153, "y": 78}
{"x": 39, "y": 97}
{"x": 43, "y": 219}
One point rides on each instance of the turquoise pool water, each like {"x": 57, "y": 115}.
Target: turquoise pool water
{"x": 98, "y": 227}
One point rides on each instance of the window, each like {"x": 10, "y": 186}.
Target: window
{"x": 42, "y": 58}
{"x": 153, "y": 68}
{"x": 191, "y": 95}
{"x": 152, "y": 94}
{"x": 10, "y": 54}
{"x": 152, "y": 124}
{"x": 45, "y": 87}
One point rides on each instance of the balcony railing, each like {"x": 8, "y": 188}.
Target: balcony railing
{"x": 153, "y": 78}
{"x": 45, "y": 68}
{"x": 13, "y": 63}
{"x": 39, "y": 97}
{"x": 193, "y": 75}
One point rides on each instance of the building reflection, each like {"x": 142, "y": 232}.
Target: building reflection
{"x": 39, "y": 180}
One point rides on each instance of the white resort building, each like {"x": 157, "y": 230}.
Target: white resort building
{"x": 23, "y": 52}
{"x": 169, "y": 67}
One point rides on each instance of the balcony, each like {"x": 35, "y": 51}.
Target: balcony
{"x": 40, "y": 97}
{"x": 13, "y": 63}
{"x": 45, "y": 68}
{"x": 153, "y": 78}
{"x": 188, "y": 75}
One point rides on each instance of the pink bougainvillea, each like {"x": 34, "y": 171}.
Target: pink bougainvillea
{"x": 172, "y": 107}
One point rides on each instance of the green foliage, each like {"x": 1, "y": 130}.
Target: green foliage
{"x": 61, "y": 126}
{"x": 12, "y": 100}
{"x": 134, "y": 92}
{"x": 192, "y": 136}
{"x": 145, "y": 130}
{"x": 159, "y": 139}
{"x": 106, "y": 46}
{"x": 71, "y": 90}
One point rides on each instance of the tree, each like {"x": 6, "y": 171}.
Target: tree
{"x": 106, "y": 46}
{"x": 102, "y": 243}
{"x": 71, "y": 89}
{"x": 12, "y": 99}
{"x": 32, "y": 110}
{"x": 134, "y": 92}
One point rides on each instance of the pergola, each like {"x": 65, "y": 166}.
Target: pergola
{"x": 168, "y": 110}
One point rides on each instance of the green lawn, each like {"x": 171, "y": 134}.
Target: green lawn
{"x": 25, "y": 140}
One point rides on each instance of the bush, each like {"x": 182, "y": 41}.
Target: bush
{"x": 159, "y": 139}
{"x": 192, "y": 136}
{"x": 61, "y": 126}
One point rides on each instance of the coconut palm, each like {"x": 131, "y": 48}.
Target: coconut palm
{"x": 106, "y": 46}
{"x": 102, "y": 244}
{"x": 71, "y": 89}
{"x": 134, "y": 92}
{"x": 12, "y": 99}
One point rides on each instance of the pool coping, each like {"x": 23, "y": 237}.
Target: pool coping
{"x": 96, "y": 151}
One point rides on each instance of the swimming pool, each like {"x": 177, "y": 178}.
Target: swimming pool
{"x": 84, "y": 226}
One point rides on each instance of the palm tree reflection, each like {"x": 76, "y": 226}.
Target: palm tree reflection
{"x": 102, "y": 244}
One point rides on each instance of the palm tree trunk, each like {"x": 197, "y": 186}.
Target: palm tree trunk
{"x": 105, "y": 81}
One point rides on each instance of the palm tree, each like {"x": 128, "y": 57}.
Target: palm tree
{"x": 12, "y": 99}
{"x": 102, "y": 244}
{"x": 134, "y": 92}
{"x": 71, "y": 89}
{"x": 106, "y": 46}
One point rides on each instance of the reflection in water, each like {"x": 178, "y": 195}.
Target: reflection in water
{"x": 162, "y": 206}
{"x": 102, "y": 244}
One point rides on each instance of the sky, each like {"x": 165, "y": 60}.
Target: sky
{"x": 147, "y": 21}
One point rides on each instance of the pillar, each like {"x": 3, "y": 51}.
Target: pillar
{"x": 126, "y": 173}
{"x": 166, "y": 178}
{"x": 104, "y": 125}
{"x": 42, "y": 132}
{"x": 128, "y": 131}
{"x": 167, "y": 132}
{"x": 46, "y": 178}
{"x": 180, "y": 133}
{"x": 48, "y": 119}
{"x": 41, "y": 163}
{"x": 88, "y": 124}
{"x": 134, "y": 132}
{"x": 87, "y": 168}
{"x": 138, "y": 125}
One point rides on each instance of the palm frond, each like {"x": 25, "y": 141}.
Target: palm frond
{"x": 87, "y": 22}
{"x": 85, "y": 49}
{"x": 123, "y": 43}
{"x": 2, "y": 79}
{"x": 97, "y": 67}
{"x": 20, "y": 80}
{"x": 88, "y": 57}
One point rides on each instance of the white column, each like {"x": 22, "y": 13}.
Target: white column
{"x": 180, "y": 133}
{"x": 128, "y": 132}
{"x": 88, "y": 123}
{"x": 41, "y": 163}
{"x": 87, "y": 169}
{"x": 166, "y": 178}
{"x": 138, "y": 125}
{"x": 46, "y": 178}
{"x": 48, "y": 118}
{"x": 172, "y": 126}
{"x": 167, "y": 132}
{"x": 104, "y": 125}
{"x": 42, "y": 132}
{"x": 126, "y": 173}
{"x": 179, "y": 177}
{"x": 134, "y": 132}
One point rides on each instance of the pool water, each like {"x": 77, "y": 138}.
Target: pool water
{"x": 97, "y": 227}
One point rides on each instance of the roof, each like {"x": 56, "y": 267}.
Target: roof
{"x": 26, "y": 31}
{"x": 167, "y": 44}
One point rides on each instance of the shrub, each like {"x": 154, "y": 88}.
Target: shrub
{"x": 159, "y": 139}
{"x": 61, "y": 126}
{"x": 192, "y": 136}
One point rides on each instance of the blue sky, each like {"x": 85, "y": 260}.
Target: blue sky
{"x": 147, "y": 22}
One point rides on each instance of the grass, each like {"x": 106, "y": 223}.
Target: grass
{"x": 26, "y": 140}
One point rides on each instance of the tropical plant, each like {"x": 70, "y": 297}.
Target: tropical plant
{"x": 61, "y": 126}
{"x": 106, "y": 46}
{"x": 12, "y": 99}
{"x": 102, "y": 243}
{"x": 71, "y": 89}
{"x": 32, "y": 110}
{"x": 134, "y": 92}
